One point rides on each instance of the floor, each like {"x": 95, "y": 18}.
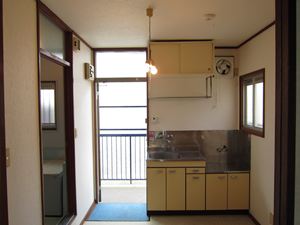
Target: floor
{"x": 186, "y": 220}
{"x": 123, "y": 192}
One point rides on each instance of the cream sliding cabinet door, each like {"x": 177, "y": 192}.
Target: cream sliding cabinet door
{"x": 216, "y": 191}
{"x": 166, "y": 57}
{"x": 156, "y": 189}
{"x": 238, "y": 191}
{"x": 175, "y": 188}
{"x": 195, "y": 192}
{"x": 196, "y": 57}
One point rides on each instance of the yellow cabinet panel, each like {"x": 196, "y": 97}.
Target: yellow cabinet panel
{"x": 166, "y": 57}
{"x": 238, "y": 191}
{"x": 195, "y": 192}
{"x": 156, "y": 189}
{"x": 196, "y": 57}
{"x": 175, "y": 189}
{"x": 216, "y": 191}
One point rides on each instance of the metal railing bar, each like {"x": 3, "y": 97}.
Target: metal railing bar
{"x": 122, "y": 135}
{"x": 121, "y": 157}
{"x": 112, "y": 171}
{"x": 122, "y": 106}
{"x": 105, "y": 129}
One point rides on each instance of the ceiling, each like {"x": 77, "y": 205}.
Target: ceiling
{"x": 123, "y": 23}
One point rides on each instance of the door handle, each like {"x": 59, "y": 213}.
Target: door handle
{"x": 172, "y": 171}
{"x": 195, "y": 178}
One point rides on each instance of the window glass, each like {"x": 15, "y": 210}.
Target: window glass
{"x": 249, "y": 105}
{"x": 259, "y": 104}
{"x": 123, "y": 94}
{"x": 48, "y": 116}
{"x": 123, "y": 118}
{"x": 51, "y": 37}
{"x": 120, "y": 64}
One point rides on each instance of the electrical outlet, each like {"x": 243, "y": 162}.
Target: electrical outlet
{"x": 271, "y": 218}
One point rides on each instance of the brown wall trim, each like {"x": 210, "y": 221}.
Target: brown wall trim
{"x": 285, "y": 109}
{"x": 59, "y": 22}
{"x": 53, "y": 58}
{"x": 254, "y": 220}
{"x": 69, "y": 125}
{"x": 256, "y": 34}
{"x": 89, "y": 212}
{"x": 3, "y": 178}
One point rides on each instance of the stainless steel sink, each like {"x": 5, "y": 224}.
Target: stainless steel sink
{"x": 163, "y": 155}
{"x": 174, "y": 155}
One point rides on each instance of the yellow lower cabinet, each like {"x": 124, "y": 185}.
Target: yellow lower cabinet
{"x": 156, "y": 189}
{"x": 216, "y": 191}
{"x": 238, "y": 191}
{"x": 175, "y": 188}
{"x": 195, "y": 192}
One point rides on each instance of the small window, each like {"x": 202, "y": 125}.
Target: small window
{"x": 252, "y": 102}
{"x": 48, "y": 115}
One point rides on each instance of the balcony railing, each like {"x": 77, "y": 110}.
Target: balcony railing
{"x": 123, "y": 156}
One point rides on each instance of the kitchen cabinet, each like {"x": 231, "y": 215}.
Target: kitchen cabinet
{"x": 183, "y": 57}
{"x": 238, "y": 191}
{"x": 196, "y": 57}
{"x": 175, "y": 189}
{"x": 156, "y": 189}
{"x": 216, "y": 191}
{"x": 195, "y": 191}
{"x": 166, "y": 57}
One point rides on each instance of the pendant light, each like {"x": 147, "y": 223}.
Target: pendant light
{"x": 151, "y": 68}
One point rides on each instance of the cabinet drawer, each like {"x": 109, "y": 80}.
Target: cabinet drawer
{"x": 195, "y": 170}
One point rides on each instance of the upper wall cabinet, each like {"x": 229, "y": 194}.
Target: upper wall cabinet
{"x": 183, "y": 57}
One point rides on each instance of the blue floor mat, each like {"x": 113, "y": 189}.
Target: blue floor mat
{"x": 119, "y": 212}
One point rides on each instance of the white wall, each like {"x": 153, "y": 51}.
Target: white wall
{"x": 21, "y": 112}
{"x": 51, "y": 71}
{"x": 260, "y": 53}
{"x": 217, "y": 113}
{"x": 83, "y": 112}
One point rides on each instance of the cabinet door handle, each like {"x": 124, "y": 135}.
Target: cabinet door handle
{"x": 233, "y": 177}
{"x": 172, "y": 171}
{"x": 159, "y": 172}
{"x": 195, "y": 178}
{"x": 196, "y": 171}
{"x": 221, "y": 177}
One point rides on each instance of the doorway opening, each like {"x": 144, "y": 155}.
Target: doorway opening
{"x": 121, "y": 87}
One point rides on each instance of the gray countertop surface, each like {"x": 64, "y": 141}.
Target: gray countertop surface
{"x": 230, "y": 166}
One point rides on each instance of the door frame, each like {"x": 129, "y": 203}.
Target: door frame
{"x": 69, "y": 107}
{"x": 3, "y": 177}
{"x": 96, "y": 108}
{"x": 285, "y": 112}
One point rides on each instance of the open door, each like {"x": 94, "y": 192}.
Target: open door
{"x": 3, "y": 183}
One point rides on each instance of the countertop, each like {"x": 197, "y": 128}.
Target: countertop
{"x": 235, "y": 165}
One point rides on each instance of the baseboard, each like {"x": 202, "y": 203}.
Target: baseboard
{"x": 88, "y": 213}
{"x": 199, "y": 212}
{"x": 254, "y": 219}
